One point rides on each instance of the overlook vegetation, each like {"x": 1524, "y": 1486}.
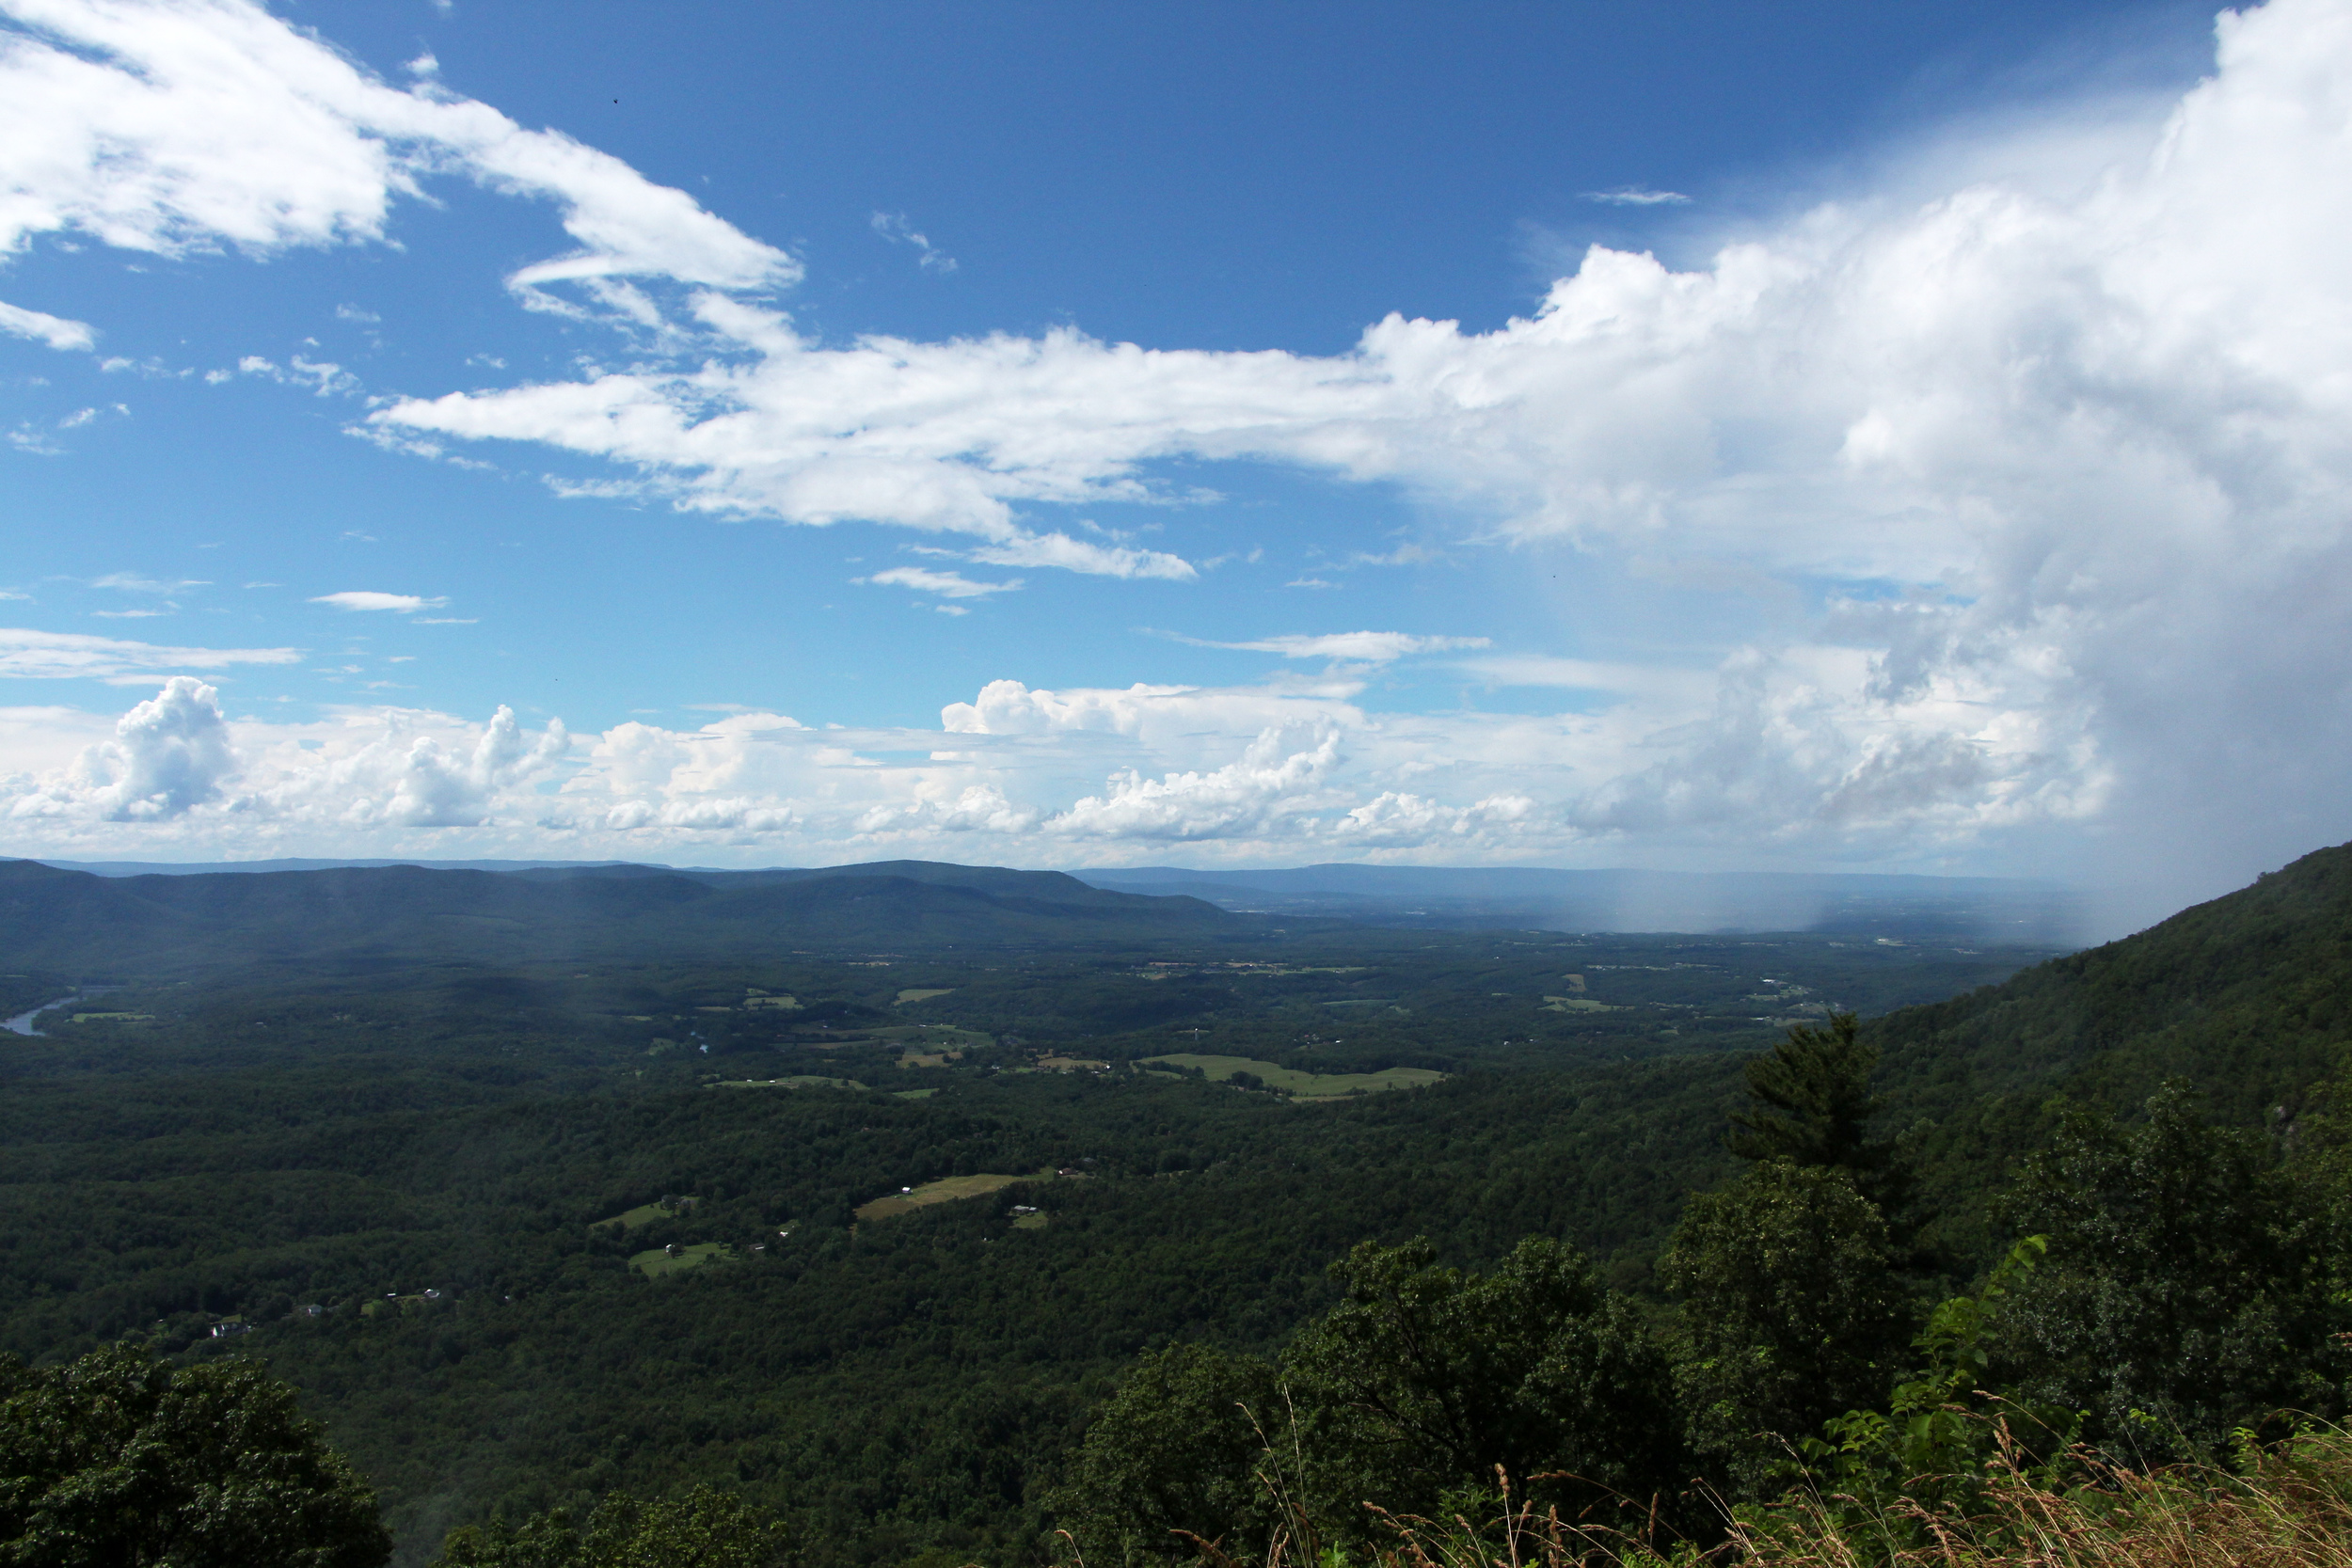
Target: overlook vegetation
{"x": 1034, "y": 1220}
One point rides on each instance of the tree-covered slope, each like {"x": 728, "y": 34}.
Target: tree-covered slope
{"x": 2249, "y": 994}
{"x": 94, "y": 925}
{"x": 2249, "y": 997}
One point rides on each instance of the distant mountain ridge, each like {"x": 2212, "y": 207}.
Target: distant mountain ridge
{"x": 201, "y": 868}
{"x": 75, "y": 922}
{"x": 1986, "y": 908}
{"x": 1981, "y": 909}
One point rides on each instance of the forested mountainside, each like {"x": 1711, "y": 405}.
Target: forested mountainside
{"x": 865, "y": 1230}
{"x": 2248, "y": 996}
{"x": 2249, "y": 993}
{"x": 104, "y": 927}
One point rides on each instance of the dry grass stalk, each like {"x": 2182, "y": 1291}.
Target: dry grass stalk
{"x": 2289, "y": 1507}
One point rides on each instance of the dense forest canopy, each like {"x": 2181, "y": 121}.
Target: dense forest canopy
{"x": 544, "y": 1190}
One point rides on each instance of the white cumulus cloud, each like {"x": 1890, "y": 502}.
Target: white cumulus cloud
{"x": 169, "y": 753}
{"x": 1276, "y": 776}
{"x": 1022, "y": 774}
{"x": 2057, "y": 454}
{"x": 174, "y": 126}
{"x": 180, "y": 773}
{"x": 2060, "y": 452}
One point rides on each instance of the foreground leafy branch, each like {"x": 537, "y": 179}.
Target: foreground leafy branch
{"x": 126, "y": 1460}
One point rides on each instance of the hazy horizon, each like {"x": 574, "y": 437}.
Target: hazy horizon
{"x": 1998, "y": 911}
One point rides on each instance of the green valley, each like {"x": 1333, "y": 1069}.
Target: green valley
{"x": 529, "y": 1229}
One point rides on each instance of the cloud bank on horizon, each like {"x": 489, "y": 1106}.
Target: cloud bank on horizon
{"x": 2057, "y": 464}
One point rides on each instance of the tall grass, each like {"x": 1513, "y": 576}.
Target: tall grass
{"x": 2287, "y": 1505}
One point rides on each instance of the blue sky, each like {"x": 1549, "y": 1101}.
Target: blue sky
{"x": 1873, "y": 436}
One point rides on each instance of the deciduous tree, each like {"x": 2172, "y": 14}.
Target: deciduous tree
{"x": 1792, "y": 1314}
{"x": 2187, "y": 1288}
{"x": 1424, "y": 1379}
{"x": 123, "y": 1460}
{"x": 700, "y": 1528}
{"x": 1173, "y": 1455}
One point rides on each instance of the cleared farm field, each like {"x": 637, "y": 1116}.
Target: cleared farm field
{"x": 793, "y": 1081}
{"x": 645, "y": 1214}
{"x": 907, "y": 996}
{"x": 1578, "y": 1005}
{"x": 657, "y": 1261}
{"x": 946, "y": 1190}
{"x": 1301, "y": 1085}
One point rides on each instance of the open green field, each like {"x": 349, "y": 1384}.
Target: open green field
{"x": 937, "y": 1036}
{"x": 907, "y": 996}
{"x": 656, "y": 1261}
{"x": 793, "y": 1081}
{"x": 1302, "y": 1085}
{"x": 1577, "y": 1005}
{"x": 946, "y": 1190}
{"x": 645, "y": 1214}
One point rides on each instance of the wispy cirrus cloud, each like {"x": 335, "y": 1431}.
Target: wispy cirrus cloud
{"x": 1406, "y": 554}
{"x": 365, "y": 599}
{"x": 1638, "y": 195}
{"x": 1361, "y": 648}
{"x": 1684, "y": 685}
{"x": 1080, "y": 555}
{"x": 947, "y": 585}
{"x": 55, "y": 331}
{"x": 324, "y": 377}
{"x": 40, "y": 438}
{"x": 895, "y": 228}
{"x": 29, "y": 655}
{"x": 133, "y": 582}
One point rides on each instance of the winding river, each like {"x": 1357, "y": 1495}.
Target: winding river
{"x": 23, "y": 1023}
